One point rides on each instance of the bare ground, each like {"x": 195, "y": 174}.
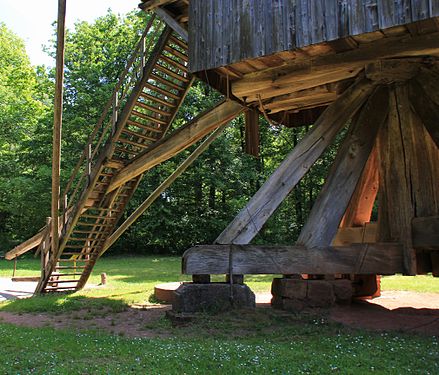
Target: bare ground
{"x": 393, "y": 311}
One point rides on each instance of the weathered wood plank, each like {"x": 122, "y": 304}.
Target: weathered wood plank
{"x": 171, "y": 22}
{"x": 331, "y": 204}
{"x": 329, "y": 68}
{"x": 426, "y": 109}
{"x": 177, "y": 141}
{"x": 262, "y": 205}
{"x": 262, "y": 27}
{"x": 379, "y": 258}
{"x": 26, "y": 246}
{"x": 425, "y": 233}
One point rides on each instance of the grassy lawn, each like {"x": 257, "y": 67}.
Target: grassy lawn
{"x": 261, "y": 341}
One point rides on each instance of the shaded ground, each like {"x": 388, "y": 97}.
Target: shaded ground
{"x": 394, "y": 310}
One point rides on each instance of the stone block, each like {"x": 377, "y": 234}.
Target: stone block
{"x": 289, "y": 288}
{"x": 320, "y": 293}
{"x": 214, "y": 297}
{"x": 343, "y": 290}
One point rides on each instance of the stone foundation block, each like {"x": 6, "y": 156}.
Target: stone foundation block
{"x": 214, "y": 297}
{"x": 298, "y": 294}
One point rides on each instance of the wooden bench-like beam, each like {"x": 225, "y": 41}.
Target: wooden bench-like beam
{"x": 379, "y": 258}
{"x": 178, "y": 141}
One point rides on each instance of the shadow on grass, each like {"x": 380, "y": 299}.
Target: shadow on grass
{"x": 60, "y": 303}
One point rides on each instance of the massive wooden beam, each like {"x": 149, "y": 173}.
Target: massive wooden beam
{"x": 378, "y": 258}
{"x": 360, "y": 207}
{"x": 253, "y": 216}
{"x": 331, "y": 204}
{"x": 425, "y": 108}
{"x": 171, "y": 22}
{"x": 425, "y": 233}
{"x": 148, "y": 5}
{"x": 178, "y": 141}
{"x": 311, "y": 72}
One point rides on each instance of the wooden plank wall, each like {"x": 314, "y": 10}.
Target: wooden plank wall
{"x": 222, "y": 32}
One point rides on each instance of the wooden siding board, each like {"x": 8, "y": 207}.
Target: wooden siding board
{"x": 223, "y": 32}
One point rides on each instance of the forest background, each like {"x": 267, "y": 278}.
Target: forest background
{"x": 194, "y": 210}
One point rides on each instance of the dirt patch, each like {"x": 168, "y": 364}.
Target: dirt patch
{"x": 393, "y": 311}
{"x": 134, "y": 322}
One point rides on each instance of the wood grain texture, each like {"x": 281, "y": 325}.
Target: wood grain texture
{"x": 178, "y": 141}
{"x": 379, "y": 258}
{"x": 331, "y": 204}
{"x": 262, "y": 205}
{"x": 425, "y": 233}
{"x": 264, "y": 27}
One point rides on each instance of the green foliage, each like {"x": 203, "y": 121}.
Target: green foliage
{"x": 196, "y": 208}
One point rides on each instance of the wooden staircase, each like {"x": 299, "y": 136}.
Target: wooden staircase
{"x": 143, "y": 106}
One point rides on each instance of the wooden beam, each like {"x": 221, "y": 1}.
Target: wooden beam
{"x": 261, "y": 206}
{"x": 314, "y": 71}
{"x": 148, "y": 5}
{"x": 26, "y": 246}
{"x": 178, "y": 141}
{"x": 252, "y": 132}
{"x": 426, "y": 109}
{"x": 361, "y": 204}
{"x": 57, "y": 123}
{"x": 172, "y": 23}
{"x": 425, "y": 233}
{"x": 379, "y": 258}
{"x": 331, "y": 204}
{"x": 160, "y": 189}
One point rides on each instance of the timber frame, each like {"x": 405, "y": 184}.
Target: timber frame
{"x": 369, "y": 67}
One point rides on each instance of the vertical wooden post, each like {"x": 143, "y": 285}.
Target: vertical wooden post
{"x": 57, "y": 123}
{"x": 252, "y": 132}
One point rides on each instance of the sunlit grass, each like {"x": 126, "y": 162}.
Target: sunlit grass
{"x": 131, "y": 280}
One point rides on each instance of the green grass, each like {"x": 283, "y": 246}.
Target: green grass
{"x": 131, "y": 280}
{"x": 237, "y": 342}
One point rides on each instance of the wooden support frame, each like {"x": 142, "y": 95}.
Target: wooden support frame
{"x": 262, "y": 205}
{"x": 333, "y": 200}
{"x": 57, "y": 122}
{"x": 252, "y": 132}
{"x": 178, "y": 141}
{"x": 382, "y": 258}
{"x": 162, "y": 187}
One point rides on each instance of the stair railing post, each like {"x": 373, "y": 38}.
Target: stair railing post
{"x": 89, "y": 153}
{"x": 115, "y": 113}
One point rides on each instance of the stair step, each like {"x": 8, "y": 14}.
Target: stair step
{"x": 139, "y": 135}
{"x": 171, "y": 73}
{"x": 65, "y": 274}
{"x": 63, "y": 288}
{"x": 179, "y": 42}
{"x": 71, "y": 260}
{"x": 152, "y": 108}
{"x": 147, "y": 117}
{"x": 157, "y": 100}
{"x": 115, "y": 164}
{"x": 93, "y": 224}
{"x": 177, "y": 53}
{"x": 88, "y": 231}
{"x": 70, "y": 253}
{"x": 133, "y": 143}
{"x": 69, "y": 267}
{"x": 174, "y": 63}
{"x": 88, "y": 216}
{"x": 126, "y": 151}
{"x": 166, "y": 82}
{"x": 163, "y": 92}
{"x": 145, "y": 127}
{"x": 63, "y": 281}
